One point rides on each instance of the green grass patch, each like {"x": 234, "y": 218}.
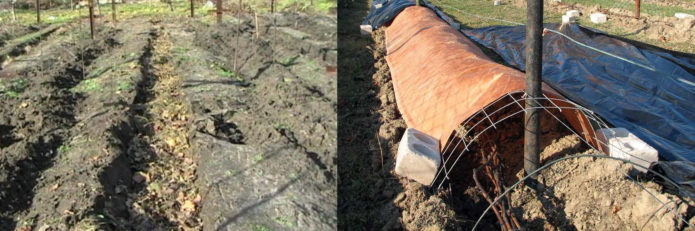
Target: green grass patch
{"x": 88, "y": 85}
{"x": 13, "y": 88}
{"x": 259, "y": 227}
{"x": 258, "y": 158}
{"x": 180, "y": 50}
{"x": 65, "y": 148}
{"x": 221, "y": 71}
{"x": 64, "y": 14}
{"x": 124, "y": 85}
{"x": 317, "y": 6}
{"x": 510, "y": 12}
{"x": 651, "y": 9}
{"x": 281, "y": 126}
{"x": 285, "y": 221}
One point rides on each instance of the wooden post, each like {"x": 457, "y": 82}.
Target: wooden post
{"x": 38, "y": 13}
{"x": 238, "y": 34}
{"x": 272, "y": 6}
{"x": 91, "y": 18}
{"x": 192, "y": 7}
{"x": 171, "y": 5}
{"x": 219, "y": 11}
{"x": 637, "y": 8}
{"x": 532, "y": 117}
{"x": 14, "y": 16}
{"x": 417, "y": 2}
{"x": 113, "y": 10}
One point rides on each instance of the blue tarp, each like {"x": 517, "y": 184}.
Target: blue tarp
{"x": 655, "y": 102}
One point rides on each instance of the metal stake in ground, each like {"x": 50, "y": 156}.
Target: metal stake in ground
{"x": 113, "y": 10}
{"x": 534, "y": 50}
{"x": 192, "y": 7}
{"x": 219, "y": 11}
{"x": 637, "y": 2}
{"x": 238, "y": 27}
{"x": 91, "y": 18}
{"x": 38, "y": 13}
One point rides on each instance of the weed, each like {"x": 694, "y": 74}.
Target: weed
{"x": 13, "y": 88}
{"x": 281, "y": 126}
{"x": 125, "y": 86}
{"x": 285, "y": 221}
{"x": 288, "y": 61}
{"x": 65, "y": 148}
{"x": 180, "y": 50}
{"x": 259, "y": 227}
{"x": 225, "y": 73}
{"x": 182, "y": 58}
{"x": 258, "y": 158}
{"x": 88, "y": 86}
{"x": 229, "y": 74}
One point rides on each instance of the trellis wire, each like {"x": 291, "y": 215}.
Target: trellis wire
{"x": 587, "y": 113}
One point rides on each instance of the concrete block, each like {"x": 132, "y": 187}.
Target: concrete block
{"x": 568, "y": 19}
{"x": 684, "y": 16}
{"x": 573, "y": 13}
{"x": 498, "y": 2}
{"x": 418, "y": 157}
{"x": 366, "y": 29}
{"x": 598, "y": 18}
{"x": 620, "y": 143}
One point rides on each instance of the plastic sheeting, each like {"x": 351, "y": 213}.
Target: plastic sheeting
{"x": 681, "y": 172}
{"x": 383, "y": 11}
{"x": 655, "y": 102}
{"x": 441, "y": 78}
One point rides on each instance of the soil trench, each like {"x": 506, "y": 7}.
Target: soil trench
{"x": 35, "y": 126}
{"x": 161, "y": 125}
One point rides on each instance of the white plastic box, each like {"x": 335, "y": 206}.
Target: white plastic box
{"x": 366, "y": 29}
{"x": 598, "y": 18}
{"x": 573, "y": 13}
{"x": 620, "y": 143}
{"x": 684, "y": 16}
{"x": 418, "y": 157}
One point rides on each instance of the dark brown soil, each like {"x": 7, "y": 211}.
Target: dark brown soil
{"x": 10, "y": 31}
{"x": 265, "y": 133}
{"x": 372, "y": 197}
{"x": 86, "y": 142}
{"x": 41, "y": 114}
